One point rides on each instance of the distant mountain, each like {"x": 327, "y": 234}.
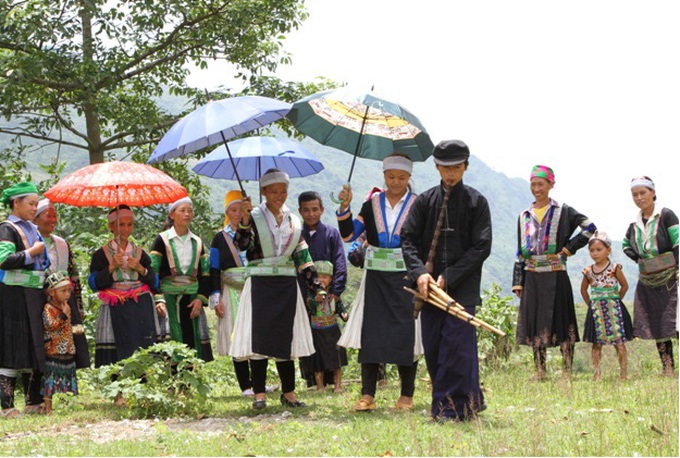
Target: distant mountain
{"x": 507, "y": 197}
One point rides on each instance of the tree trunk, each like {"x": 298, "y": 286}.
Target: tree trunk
{"x": 94, "y": 138}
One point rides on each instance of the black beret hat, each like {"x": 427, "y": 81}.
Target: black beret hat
{"x": 451, "y": 152}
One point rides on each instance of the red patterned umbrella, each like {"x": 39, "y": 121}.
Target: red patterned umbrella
{"x": 114, "y": 183}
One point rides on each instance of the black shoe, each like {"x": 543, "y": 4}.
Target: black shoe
{"x": 259, "y": 404}
{"x": 286, "y": 403}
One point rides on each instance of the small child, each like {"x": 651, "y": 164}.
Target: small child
{"x": 60, "y": 349}
{"x": 326, "y": 332}
{"x": 607, "y": 320}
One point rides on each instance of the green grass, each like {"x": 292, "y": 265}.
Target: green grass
{"x": 558, "y": 417}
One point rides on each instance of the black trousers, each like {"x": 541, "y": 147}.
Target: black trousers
{"x": 370, "y": 373}
{"x": 286, "y": 370}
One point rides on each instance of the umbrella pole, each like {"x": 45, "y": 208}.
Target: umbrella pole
{"x": 356, "y": 153}
{"x": 233, "y": 164}
{"x": 118, "y": 215}
{"x": 359, "y": 140}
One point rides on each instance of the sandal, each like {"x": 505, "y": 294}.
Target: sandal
{"x": 36, "y": 409}
{"x": 288, "y": 403}
{"x": 402, "y": 406}
{"x": 10, "y": 413}
{"x": 403, "y": 403}
{"x": 364, "y": 405}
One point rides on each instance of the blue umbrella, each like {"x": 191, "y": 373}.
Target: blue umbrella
{"x": 249, "y": 158}
{"x": 216, "y": 122}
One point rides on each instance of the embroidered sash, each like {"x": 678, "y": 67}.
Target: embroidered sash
{"x": 173, "y": 258}
{"x": 385, "y": 237}
{"x": 272, "y": 265}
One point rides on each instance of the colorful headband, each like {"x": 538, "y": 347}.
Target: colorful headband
{"x": 177, "y": 203}
{"x": 324, "y": 267}
{"x": 543, "y": 171}
{"x": 57, "y": 280}
{"x": 642, "y": 181}
{"x": 120, "y": 213}
{"x": 43, "y": 204}
{"x": 398, "y": 163}
{"x": 274, "y": 178}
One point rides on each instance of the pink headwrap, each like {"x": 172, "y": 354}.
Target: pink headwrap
{"x": 543, "y": 171}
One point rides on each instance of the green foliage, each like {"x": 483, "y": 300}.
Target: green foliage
{"x": 62, "y": 62}
{"x": 166, "y": 379}
{"x": 499, "y": 312}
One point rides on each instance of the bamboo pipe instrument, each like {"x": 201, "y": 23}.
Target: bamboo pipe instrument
{"x": 441, "y": 300}
{"x": 439, "y": 303}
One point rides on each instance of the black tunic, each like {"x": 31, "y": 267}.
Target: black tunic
{"x": 450, "y": 344}
{"x": 133, "y": 322}
{"x": 21, "y": 325}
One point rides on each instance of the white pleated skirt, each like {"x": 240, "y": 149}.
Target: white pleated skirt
{"x": 241, "y": 345}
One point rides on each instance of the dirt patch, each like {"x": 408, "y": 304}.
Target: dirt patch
{"x": 133, "y": 430}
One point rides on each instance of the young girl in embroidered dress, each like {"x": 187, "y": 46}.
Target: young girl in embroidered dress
{"x": 607, "y": 320}
{"x": 60, "y": 348}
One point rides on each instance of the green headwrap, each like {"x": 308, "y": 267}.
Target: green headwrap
{"x": 20, "y": 189}
{"x": 324, "y": 267}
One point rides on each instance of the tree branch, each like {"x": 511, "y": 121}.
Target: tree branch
{"x": 125, "y": 74}
{"x": 25, "y": 133}
{"x": 120, "y": 135}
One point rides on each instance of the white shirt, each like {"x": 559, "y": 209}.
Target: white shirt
{"x": 392, "y": 213}
{"x": 282, "y": 233}
{"x": 183, "y": 248}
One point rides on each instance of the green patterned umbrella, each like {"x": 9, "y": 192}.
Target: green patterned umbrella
{"x": 361, "y": 124}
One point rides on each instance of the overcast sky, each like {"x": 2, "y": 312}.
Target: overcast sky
{"x": 590, "y": 88}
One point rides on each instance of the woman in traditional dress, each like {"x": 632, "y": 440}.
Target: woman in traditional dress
{"x": 121, "y": 274}
{"x": 23, "y": 266}
{"x": 544, "y": 237}
{"x": 183, "y": 265}
{"x": 652, "y": 242}
{"x": 381, "y": 323}
{"x": 227, "y": 274}
{"x": 272, "y": 321}
{"x": 62, "y": 260}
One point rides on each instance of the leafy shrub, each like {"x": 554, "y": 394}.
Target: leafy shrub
{"x": 501, "y": 313}
{"x": 166, "y": 379}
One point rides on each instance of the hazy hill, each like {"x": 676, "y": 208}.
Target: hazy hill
{"x": 507, "y": 197}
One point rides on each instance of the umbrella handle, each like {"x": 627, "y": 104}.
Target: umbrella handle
{"x": 334, "y": 199}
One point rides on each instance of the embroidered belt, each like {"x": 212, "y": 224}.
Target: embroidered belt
{"x": 280, "y": 266}
{"x": 600, "y": 293}
{"x": 546, "y": 263}
{"x": 234, "y": 276}
{"x": 26, "y": 278}
{"x": 319, "y": 322}
{"x": 384, "y": 259}
{"x": 123, "y": 291}
{"x": 657, "y": 264}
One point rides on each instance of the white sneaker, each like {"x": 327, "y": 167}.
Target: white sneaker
{"x": 270, "y": 388}
{"x": 249, "y": 392}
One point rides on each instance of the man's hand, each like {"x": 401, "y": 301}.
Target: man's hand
{"x": 424, "y": 284}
